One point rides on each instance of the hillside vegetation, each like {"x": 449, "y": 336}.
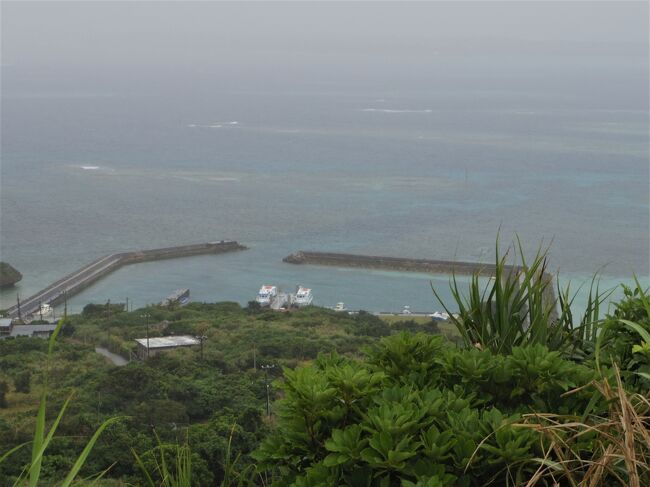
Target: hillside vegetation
{"x": 178, "y": 395}
{"x": 527, "y": 393}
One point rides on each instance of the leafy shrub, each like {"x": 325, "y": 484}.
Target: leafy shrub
{"x": 418, "y": 411}
{"x": 22, "y": 381}
{"x": 625, "y": 337}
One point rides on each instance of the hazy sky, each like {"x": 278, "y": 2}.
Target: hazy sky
{"x": 140, "y": 46}
{"x": 158, "y": 33}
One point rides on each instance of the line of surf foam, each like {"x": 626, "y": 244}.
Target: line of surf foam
{"x": 389, "y": 110}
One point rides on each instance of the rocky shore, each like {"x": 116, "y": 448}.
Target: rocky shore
{"x": 8, "y": 275}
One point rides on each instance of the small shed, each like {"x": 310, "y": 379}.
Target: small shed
{"x": 163, "y": 344}
{"x": 5, "y": 326}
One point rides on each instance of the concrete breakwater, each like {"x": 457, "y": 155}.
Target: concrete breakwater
{"x": 393, "y": 263}
{"x": 413, "y": 265}
{"x": 80, "y": 279}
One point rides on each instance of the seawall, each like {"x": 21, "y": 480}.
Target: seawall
{"x": 412, "y": 265}
{"x": 392, "y": 263}
{"x": 80, "y": 279}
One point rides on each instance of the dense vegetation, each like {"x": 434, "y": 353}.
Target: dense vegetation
{"x": 527, "y": 394}
{"x": 210, "y": 402}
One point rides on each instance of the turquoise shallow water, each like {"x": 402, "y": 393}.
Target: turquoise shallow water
{"x": 424, "y": 176}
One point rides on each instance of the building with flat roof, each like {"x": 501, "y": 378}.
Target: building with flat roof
{"x": 5, "y": 326}
{"x": 163, "y": 344}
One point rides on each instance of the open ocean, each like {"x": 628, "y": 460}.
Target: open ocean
{"x": 429, "y": 173}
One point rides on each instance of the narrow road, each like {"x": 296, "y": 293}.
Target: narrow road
{"x": 113, "y": 357}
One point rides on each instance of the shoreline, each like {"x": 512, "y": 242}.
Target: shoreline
{"x": 75, "y": 282}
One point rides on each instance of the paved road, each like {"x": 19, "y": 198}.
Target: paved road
{"x": 54, "y": 290}
{"x": 76, "y": 281}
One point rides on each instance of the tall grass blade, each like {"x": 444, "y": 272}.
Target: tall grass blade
{"x": 86, "y": 451}
{"x": 144, "y": 470}
{"x": 37, "y": 456}
{"x": 35, "y": 469}
{"x": 13, "y": 450}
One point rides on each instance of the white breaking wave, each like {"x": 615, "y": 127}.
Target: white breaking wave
{"x": 387, "y": 110}
{"x": 90, "y": 168}
{"x": 214, "y": 125}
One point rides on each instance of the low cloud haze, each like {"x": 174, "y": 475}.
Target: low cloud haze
{"x": 150, "y": 45}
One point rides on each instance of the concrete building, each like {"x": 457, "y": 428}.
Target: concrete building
{"x": 163, "y": 344}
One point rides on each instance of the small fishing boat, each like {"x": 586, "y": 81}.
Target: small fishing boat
{"x": 45, "y": 311}
{"x": 438, "y": 316}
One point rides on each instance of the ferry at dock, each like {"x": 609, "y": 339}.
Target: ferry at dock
{"x": 266, "y": 295}
{"x": 304, "y": 297}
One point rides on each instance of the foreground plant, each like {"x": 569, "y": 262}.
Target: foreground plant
{"x": 418, "y": 411}
{"x": 598, "y": 449}
{"x": 170, "y": 465}
{"x": 31, "y": 474}
{"x": 625, "y": 337}
{"x": 517, "y": 306}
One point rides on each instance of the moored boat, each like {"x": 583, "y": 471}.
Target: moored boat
{"x": 45, "y": 311}
{"x": 438, "y": 316}
{"x": 304, "y": 297}
{"x": 180, "y": 296}
{"x": 266, "y": 295}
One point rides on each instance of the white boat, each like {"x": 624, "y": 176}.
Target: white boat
{"x": 45, "y": 311}
{"x": 304, "y": 297}
{"x": 266, "y": 295}
{"x": 340, "y": 307}
{"x": 438, "y": 316}
{"x": 406, "y": 310}
{"x": 180, "y": 296}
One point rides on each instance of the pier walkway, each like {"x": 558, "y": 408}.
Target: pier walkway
{"x": 80, "y": 279}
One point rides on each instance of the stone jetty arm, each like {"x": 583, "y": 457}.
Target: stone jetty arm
{"x": 412, "y": 265}
{"x": 82, "y": 278}
{"x": 391, "y": 263}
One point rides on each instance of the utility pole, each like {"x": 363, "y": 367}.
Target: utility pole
{"x": 146, "y": 317}
{"x": 40, "y": 309}
{"x": 65, "y": 304}
{"x": 201, "y": 338}
{"x": 266, "y": 369}
{"x": 20, "y": 315}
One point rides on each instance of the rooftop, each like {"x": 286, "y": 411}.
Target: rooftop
{"x": 168, "y": 342}
{"x": 29, "y": 330}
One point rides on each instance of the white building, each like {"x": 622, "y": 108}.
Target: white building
{"x": 163, "y": 344}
